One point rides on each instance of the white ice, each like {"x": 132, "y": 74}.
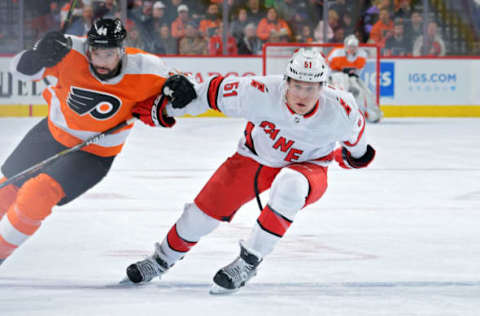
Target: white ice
{"x": 399, "y": 238}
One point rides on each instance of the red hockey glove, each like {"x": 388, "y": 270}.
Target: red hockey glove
{"x": 150, "y": 112}
{"x": 345, "y": 159}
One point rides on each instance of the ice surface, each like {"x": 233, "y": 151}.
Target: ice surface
{"x": 399, "y": 238}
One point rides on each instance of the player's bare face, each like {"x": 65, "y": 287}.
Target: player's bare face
{"x": 104, "y": 60}
{"x": 302, "y": 96}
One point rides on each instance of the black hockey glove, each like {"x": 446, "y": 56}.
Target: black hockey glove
{"x": 179, "y": 91}
{"x": 351, "y": 72}
{"x": 345, "y": 159}
{"x": 51, "y": 49}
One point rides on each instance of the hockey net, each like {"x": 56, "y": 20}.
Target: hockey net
{"x": 276, "y": 55}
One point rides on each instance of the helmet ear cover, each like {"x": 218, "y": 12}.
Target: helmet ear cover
{"x": 106, "y": 33}
{"x": 307, "y": 65}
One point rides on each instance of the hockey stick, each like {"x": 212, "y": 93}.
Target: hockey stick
{"x": 91, "y": 140}
{"x": 255, "y": 188}
{"x": 65, "y": 25}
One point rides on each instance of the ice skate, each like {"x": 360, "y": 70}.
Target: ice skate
{"x": 146, "y": 270}
{"x": 232, "y": 277}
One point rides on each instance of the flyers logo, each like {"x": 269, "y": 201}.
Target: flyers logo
{"x": 99, "y": 105}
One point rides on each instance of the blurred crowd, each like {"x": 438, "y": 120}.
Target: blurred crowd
{"x": 195, "y": 27}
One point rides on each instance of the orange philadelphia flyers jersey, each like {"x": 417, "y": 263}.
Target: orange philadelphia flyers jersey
{"x": 338, "y": 59}
{"x": 81, "y": 105}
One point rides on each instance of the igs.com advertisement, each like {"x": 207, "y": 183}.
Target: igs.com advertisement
{"x": 427, "y": 82}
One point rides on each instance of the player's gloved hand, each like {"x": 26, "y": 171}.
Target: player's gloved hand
{"x": 350, "y": 72}
{"x": 345, "y": 159}
{"x": 51, "y": 49}
{"x": 179, "y": 91}
{"x": 151, "y": 112}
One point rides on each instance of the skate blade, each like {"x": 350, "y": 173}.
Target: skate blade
{"x": 125, "y": 282}
{"x": 216, "y": 289}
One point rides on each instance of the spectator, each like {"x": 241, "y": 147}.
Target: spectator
{"x": 250, "y": 44}
{"x": 333, "y": 19}
{"x": 382, "y": 29}
{"x": 81, "y": 26}
{"x": 281, "y": 36}
{"x": 398, "y": 44}
{"x": 289, "y": 8}
{"x": 371, "y": 15}
{"x": 319, "y": 31}
{"x": 134, "y": 37}
{"x": 158, "y": 16}
{"x": 165, "y": 44}
{"x": 112, "y": 10}
{"x": 211, "y": 21}
{"x": 341, "y": 7}
{"x": 338, "y": 35}
{"x": 193, "y": 43}
{"x": 215, "y": 44}
{"x": 178, "y": 26}
{"x": 403, "y": 9}
{"x": 172, "y": 9}
{"x": 348, "y": 23}
{"x": 238, "y": 25}
{"x": 434, "y": 44}
{"x": 271, "y": 24}
{"x": 254, "y": 11}
{"x": 305, "y": 36}
{"x": 414, "y": 28}
{"x": 314, "y": 11}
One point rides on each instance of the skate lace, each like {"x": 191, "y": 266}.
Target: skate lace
{"x": 149, "y": 269}
{"x": 239, "y": 271}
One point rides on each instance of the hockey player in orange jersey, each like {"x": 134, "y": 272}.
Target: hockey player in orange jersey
{"x": 346, "y": 64}
{"x": 99, "y": 81}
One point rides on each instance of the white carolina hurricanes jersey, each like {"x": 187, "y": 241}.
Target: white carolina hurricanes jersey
{"x": 275, "y": 136}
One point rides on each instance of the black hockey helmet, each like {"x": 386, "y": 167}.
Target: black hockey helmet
{"x": 106, "y": 33}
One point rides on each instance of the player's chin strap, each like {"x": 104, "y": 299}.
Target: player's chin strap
{"x": 255, "y": 187}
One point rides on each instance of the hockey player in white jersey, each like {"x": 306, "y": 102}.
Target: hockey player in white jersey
{"x": 346, "y": 64}
{"x": 293, "y": 125}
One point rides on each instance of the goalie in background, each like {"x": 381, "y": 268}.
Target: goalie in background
{"x": 346, "y": 64}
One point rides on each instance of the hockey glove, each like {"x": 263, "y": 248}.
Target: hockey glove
{"x": 351, "y": 72}
{"x": 51, "y": 49}
{"x": 150, "y": 112}
{"x": 345, "y": 159}
{"x": 179, "y": 91}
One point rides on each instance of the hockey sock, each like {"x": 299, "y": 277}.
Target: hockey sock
{"x": 7, "y": 196}
{"x": 34, "y": 203}
{"x": 287, "y": 196}
{"x": 187, "y": 231}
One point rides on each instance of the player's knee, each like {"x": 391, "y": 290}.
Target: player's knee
{"x": 38, "y": 195}
{"x": 289, "y": 192}
{"x": 194, "y": 223}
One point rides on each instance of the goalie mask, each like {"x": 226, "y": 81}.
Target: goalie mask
{"x": 105, "y": 47}
{"x": 351, "y": 44}
{"x": 307, "y": 65}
